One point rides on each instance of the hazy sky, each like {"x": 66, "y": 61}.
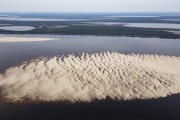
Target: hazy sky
{"x": 89, "y": 5}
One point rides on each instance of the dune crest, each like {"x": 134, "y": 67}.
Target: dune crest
{"x": 92, "y": 76}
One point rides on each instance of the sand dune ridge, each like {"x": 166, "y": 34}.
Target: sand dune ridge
{"x": 93, "y": 76}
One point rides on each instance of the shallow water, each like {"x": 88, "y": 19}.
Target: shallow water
{"x": 154, "y": 25}
{"x": 138, "y": 25}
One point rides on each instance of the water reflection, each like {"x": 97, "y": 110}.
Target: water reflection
{"x": 160, "y": 109}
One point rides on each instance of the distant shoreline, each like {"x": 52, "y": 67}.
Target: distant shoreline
{"x": 93, "y": 35}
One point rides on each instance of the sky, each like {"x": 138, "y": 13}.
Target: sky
{"x": 89, "y": 5}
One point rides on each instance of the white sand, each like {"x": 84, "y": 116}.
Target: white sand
{"x": 17, "y": 28}
{"x": 175, "y": 32}
{"x": 89, "y": 77}
{"x": 22, "y": 39}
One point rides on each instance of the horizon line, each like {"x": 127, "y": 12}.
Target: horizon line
{"x": 99, "y": 12}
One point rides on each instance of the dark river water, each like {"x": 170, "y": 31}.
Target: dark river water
{"x": 14, "y": 53}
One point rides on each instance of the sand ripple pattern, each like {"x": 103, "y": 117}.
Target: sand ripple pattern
{"x": 91, "y": 77}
